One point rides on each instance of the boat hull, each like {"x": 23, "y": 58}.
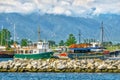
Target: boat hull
{"x": 6, "y": 55}
{"x": 84, "y": 56}
{"x": 44, "y": 55}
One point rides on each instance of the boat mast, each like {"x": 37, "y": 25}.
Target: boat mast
{"x": 7, "y": 39}
{"x": 102, "y": 34}
{"x": 38, "y": 33}
{"x": 14, "y": 34}
{"x": 79, "y": 36}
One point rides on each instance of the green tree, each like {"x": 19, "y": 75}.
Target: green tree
{"x": 5, "y": 36}
{"x": 107, "y": 43}
{"x": 52, "y": 43}
{"x": 24, "y": 42}
{"x": 71, "y": 40}
{"x": 11, "y": 42}
{"x": 61, "y": 43}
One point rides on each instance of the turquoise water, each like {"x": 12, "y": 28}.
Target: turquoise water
{"x": 59, "y": 76}
{"x": 5, "y": 59}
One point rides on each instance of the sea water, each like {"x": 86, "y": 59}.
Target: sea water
{"x": 59, "y": 76}
{"x": 5, "y": 59}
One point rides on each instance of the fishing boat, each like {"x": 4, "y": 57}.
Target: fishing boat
{"x": 88, "y": 50}
{"x": 38, "y": 50}
{"x": 82, "y": 51}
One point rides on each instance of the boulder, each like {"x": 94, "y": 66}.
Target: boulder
{"x": 29, "y": 66}
{"x": 103, "y": 66}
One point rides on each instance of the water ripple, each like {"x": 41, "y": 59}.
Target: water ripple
{"x": 59, "y": 76}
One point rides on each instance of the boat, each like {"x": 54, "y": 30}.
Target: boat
{"x": 6, "y": 53}
{"x": 88, "y": 50}
{"x": 36, "y": 50}
{"x": 62, "y": 55}
{"x": 83, "y": 51}
{"x": 113, "y": 55}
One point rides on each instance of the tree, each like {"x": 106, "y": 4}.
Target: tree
{"x": 71, "y": 40}
{"x": 5, "y": 36}
{"x": 61, "y": 43}
{"x": 24, "y": 42}
{"x": 107, "y": 43}
{"x": 51, "y": 43}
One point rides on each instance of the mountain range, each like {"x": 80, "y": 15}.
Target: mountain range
{"x": 58, "y": 27}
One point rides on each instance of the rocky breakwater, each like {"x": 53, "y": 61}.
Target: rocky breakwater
{"x": 57, "y": 65}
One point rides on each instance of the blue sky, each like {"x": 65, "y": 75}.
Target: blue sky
{"x": 65, "y": 7}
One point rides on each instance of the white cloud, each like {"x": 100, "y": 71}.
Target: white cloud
{"x": 66, "y": 7}
{"x": 58, "y": 10}
{"x": 9, "y": 6}
{"x": 107, "y": 7}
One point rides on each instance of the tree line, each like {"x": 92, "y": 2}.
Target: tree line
{"x": 6, "y": 40}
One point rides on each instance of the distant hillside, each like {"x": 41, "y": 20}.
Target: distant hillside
{"x": 58, "y": 27}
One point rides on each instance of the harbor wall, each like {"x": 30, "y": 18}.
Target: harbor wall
{"x": 57, "y": 65}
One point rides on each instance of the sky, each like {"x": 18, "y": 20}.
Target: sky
{"x": 61, "y": 7}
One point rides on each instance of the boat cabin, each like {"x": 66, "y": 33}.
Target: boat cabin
{"x": 85, "y": 47}
{"x": 35, "y": 48}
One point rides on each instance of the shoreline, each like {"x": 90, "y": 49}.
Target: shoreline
{"x": 60, "y": 65}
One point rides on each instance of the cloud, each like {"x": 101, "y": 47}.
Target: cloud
{"x": 107, "y": 7}
{"x": 9, "y": 6}
{"x": 65, "y": 7}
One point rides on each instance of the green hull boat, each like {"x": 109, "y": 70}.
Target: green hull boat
{"x": 44, "y": 55}
{"x": 35, "y": 50}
